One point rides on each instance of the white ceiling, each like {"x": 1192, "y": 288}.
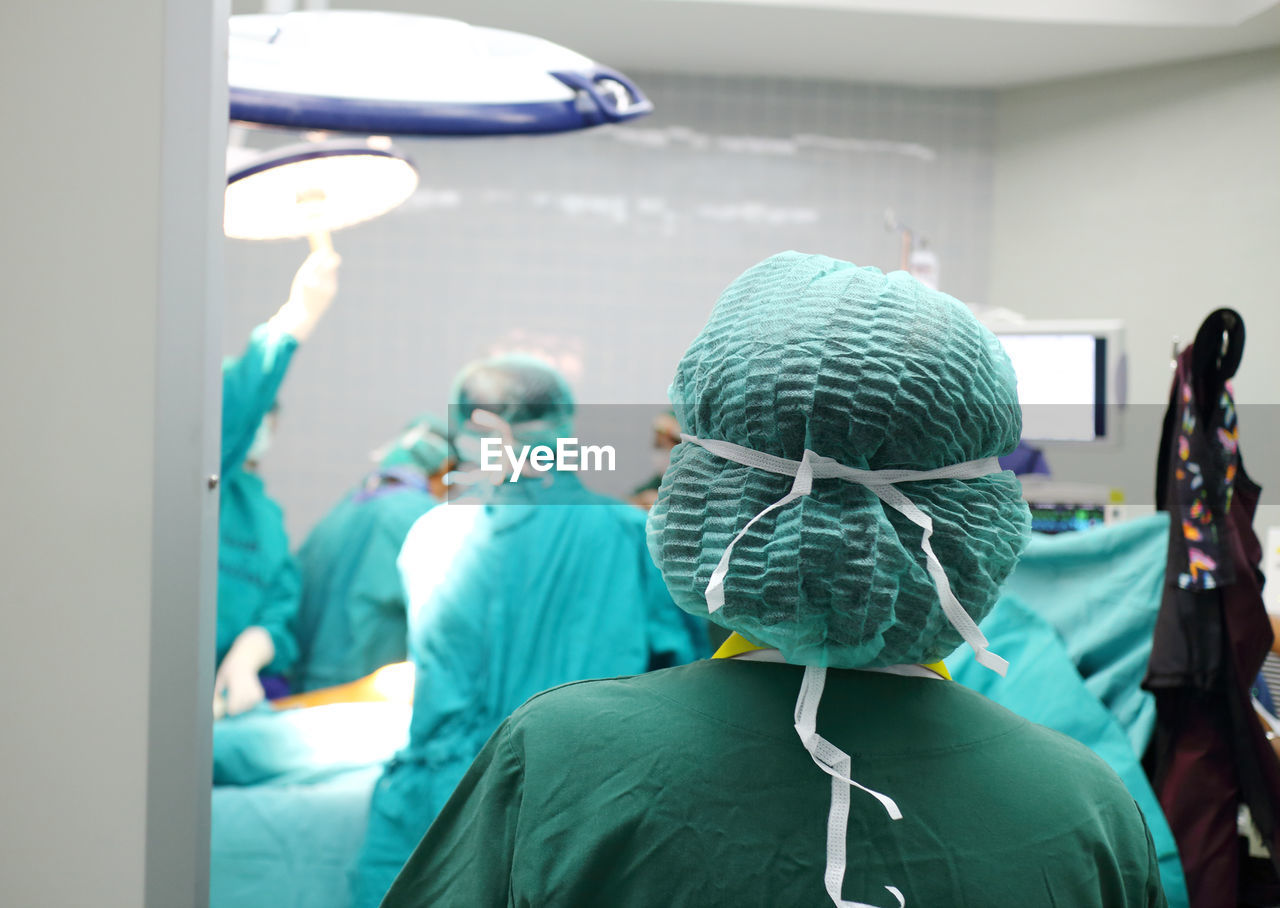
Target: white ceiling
{"x": 956, "y": 43}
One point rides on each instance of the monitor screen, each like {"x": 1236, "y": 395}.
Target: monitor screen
{"x": 1053, "y": 517}
{"x": 1062, "y": 382}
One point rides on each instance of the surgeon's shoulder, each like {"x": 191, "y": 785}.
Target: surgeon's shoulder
{"x": 618, "y": 510}
{"x": 1065, "y": 773}
{"x": 1066, "y": 752}
{"x": 591, "y": 693}
{"x": 443, "y": 520}
{"x": 580, "y": 703}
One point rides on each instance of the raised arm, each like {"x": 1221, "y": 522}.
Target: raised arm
{"x": 251, "y": 381}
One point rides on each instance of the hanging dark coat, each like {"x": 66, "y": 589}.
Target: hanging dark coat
{"x": 1209, "y": 752}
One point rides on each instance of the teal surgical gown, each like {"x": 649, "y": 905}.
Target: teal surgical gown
{"x": 258, "y": 582}
{"x": 543, "y": 584}
{"x": 1075, "y": 620}
{"x": 352, "y": 618}
{"x": 690, "y": 787}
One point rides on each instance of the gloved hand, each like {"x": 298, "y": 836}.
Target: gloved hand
{"x": 236, "y": 687}
{"x": 314, "y": 287}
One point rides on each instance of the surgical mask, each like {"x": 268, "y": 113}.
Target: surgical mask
{"x": 831, "y": 759}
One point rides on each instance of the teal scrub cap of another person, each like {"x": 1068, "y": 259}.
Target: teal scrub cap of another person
{"x": 531, "y": 400}
{"x": 836, "y": 494}
{"x": 423, "y": 444}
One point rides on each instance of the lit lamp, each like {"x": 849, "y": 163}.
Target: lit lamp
{"x": 377, "y": 73}
{"x": 313, "y": 188}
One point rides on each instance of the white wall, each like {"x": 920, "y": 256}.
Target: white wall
{"x": 109, "y": 211}
{"x": 1151, "y": 196}
{"x": 607, "y": 249}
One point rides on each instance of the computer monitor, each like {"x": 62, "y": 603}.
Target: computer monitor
{"x": 1063, "y": 507}
{"x": 1070, "y": 374}
{"x": 1063, "y": 517}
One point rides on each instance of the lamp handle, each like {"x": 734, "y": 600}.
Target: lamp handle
{"x": 321, "y": 241}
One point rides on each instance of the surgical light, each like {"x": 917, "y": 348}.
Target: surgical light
{"x": 360, "y": 71}
{"x": 312, "y": 188}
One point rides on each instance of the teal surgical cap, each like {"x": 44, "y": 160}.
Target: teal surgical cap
{"x": 423, "y": 444}
{"x": 828, "y": 369}
{"x": 531, "y": 397}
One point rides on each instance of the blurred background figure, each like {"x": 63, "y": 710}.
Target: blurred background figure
{"x": 1025, "y": 459}
{"x": 258, "y": 585}
{"x": 514, "y": 587}
{"x": 666, "y": 435}
{"x": 352, "y": 617}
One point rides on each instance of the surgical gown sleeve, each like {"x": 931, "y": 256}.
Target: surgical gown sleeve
{"x": 675, "y": 636}
{"x": 376, "y": 613}
{"x": 450, "y": 590}
{"x": 467, "y": 855}
{"x": 279, "y": 611}
{"x": 250, "y": 383}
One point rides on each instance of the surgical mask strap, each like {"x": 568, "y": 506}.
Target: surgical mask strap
{"x": 882, "y": 482}
{"x": 837, "y": 764}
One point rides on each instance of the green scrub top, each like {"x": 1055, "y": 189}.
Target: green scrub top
{"x": 689, "y": 786}
{"x": 258, "y": 581}
{"x": 546, "y": 583}
{"x": 352, "y": 619}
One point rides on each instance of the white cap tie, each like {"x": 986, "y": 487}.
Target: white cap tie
{"x": 831, "y": 759}
{"x": 882, "y": 482}
{"x": 837, "y": 764}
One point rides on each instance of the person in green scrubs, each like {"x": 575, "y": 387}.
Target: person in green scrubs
{"x": 352, "y": 618}
{"x": 666, "y": 435}
{"x": 527, "y": 581}
{"x": 258, "y": 585}
{"x": 836, "y": 503}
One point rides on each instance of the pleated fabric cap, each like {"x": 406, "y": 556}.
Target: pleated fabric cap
{"x": 875, "y": 371}
{"x": 525, "y": 392}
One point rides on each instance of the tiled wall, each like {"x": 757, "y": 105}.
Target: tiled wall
{"x": 606, "y": 249}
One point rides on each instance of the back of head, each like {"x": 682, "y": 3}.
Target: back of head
{"x": 424, "y": 445}
{"x": 876, "y": 372}
{"x": 530, "y": 397}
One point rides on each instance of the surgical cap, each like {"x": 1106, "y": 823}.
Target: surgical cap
{"x": 875, "y": 371}
{"x": 530, "y": 396}
{"x": 423, "y": 444}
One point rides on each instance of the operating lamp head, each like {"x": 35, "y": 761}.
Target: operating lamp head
{"x": 315, "y": 187}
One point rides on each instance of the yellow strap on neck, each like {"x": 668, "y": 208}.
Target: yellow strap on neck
{"x": 737, "y": 644}
{"x": 939, "y": 668}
